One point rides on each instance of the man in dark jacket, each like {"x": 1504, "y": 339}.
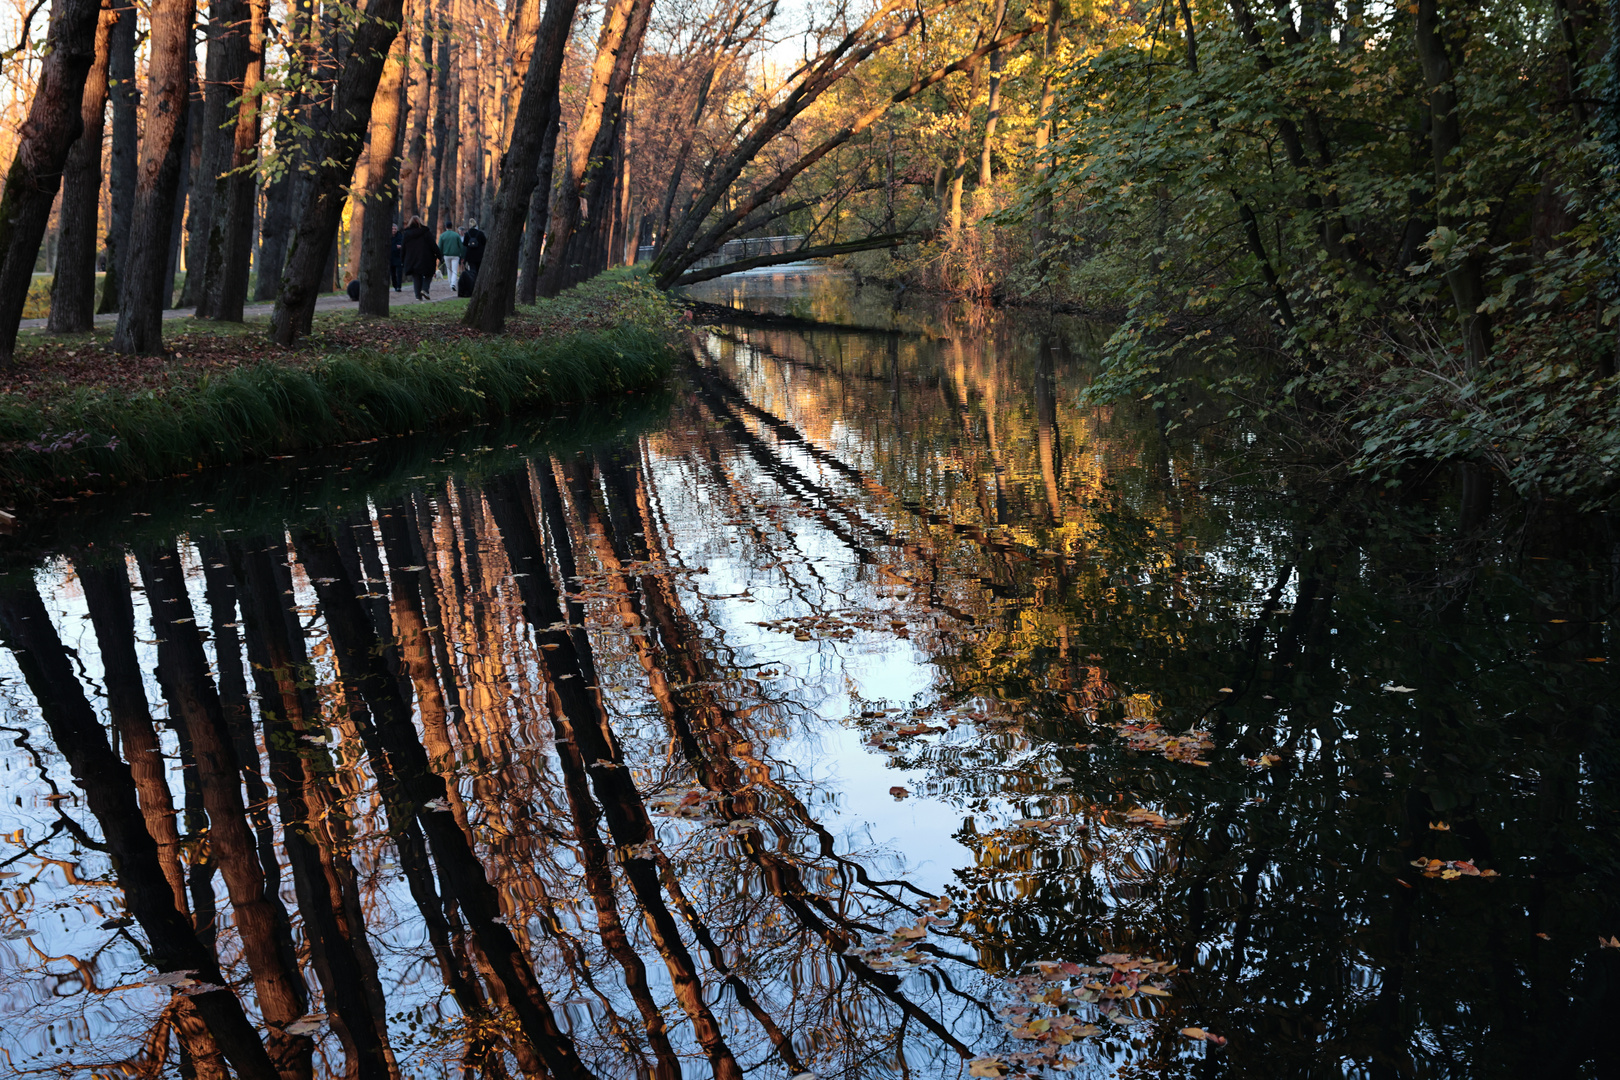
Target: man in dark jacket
{"x": 420, "y": 256}
{"x": 396, "y": 258}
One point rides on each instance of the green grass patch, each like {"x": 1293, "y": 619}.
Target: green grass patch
{"x": 417, "y": 373}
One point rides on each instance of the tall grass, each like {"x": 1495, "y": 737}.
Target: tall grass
{"x": 91, "y": 436}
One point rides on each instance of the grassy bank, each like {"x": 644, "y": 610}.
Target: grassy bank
{"x": 74, "y": 418}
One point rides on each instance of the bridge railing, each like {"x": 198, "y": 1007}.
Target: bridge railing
{"x": 734, "y": 250}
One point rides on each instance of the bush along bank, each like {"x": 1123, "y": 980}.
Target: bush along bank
{"x": 90, "y": 437}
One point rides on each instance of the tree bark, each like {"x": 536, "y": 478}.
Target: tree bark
{"x": 532, "y": 150}
{"x": 73, "y": 291}
{"x": 323, "y": 207}
{"x": 534, "y": 232}
{"x": 53, "y": 123}
{"x": 439, "y": 130}
{"x": 589, "y": 177}
{"x": 446, "y": 187}
{"x": 168, "y": 101}
{"x": 230, "y": 242}
{"x": 993, "y": 106}
{"x": 191, "y": 163}
{"x": 380, "y": 187}
{"x": 285, "y": 193}
{"x": 1445, "y": 138}
{"x": 420, "y": 93}
{"x": 228, "y": 32}
{"x": 1044, "y": 120}
{"x": 122, "y": 162}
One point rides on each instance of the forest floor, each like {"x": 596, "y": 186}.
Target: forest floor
{"x": 74, "y": 414}
{"x": 49, "y": 365}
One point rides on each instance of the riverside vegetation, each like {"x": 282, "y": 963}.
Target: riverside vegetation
{"x": 82, "y": 422}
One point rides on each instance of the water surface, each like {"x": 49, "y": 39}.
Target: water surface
{"x": 867, "y": 706}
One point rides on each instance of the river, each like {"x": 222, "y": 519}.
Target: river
{"x": 867, "y": 705}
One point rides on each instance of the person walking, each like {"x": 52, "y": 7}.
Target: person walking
{"x": 396, "y": 258}
{"x": 451, "y": 250}
{"x": 473, "y": 242}
{"x": 419, "y": 256}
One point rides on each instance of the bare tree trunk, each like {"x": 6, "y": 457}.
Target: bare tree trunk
{"x": 1043, "y": 122}
{"x": 993, "y": 106}
{"x": 230, "y": 242}
{"x": 471, "y": 145}
{"x": 440, "y": 130}
{"x": 420, "y": 93}
{"x": 380, "y": 188}
{"x": 73, "y": 291}
{"x": 53, "y": 123}
{"x": 191, "y": 157}
{"x": 228, "y": 31}
{"x": 589, "y": 177}
{"x": 351, "y": 112}
{"x": 168, "y": 104}
{"x": 285, "y": 193}
{"x": 534, "y": 232}
{"x": 531, "y": 152}
{"x": 121, "y": 164}
{"x": 448, "y": 185}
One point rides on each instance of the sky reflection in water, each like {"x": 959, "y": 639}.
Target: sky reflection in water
{"x": 868, "y": 707}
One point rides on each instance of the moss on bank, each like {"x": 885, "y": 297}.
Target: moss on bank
{"x": 90, "y": 433}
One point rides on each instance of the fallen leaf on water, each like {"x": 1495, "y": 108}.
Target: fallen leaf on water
{"x": 898, "y": 792}
{"x": 987, "y": 1066}
{"x": 1392, "y": 688}
{"x": 1539, "y": 934}
{"x": 1439, "y": 826}
{"x": 16, "y": 935}
{"x": 171, "y": 978}
{"x": 1610, "y": 943}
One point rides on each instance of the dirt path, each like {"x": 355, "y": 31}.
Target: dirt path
{"x": 327, "y": 302}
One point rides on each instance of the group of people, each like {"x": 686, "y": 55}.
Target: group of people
{"x": 415, "y": 254}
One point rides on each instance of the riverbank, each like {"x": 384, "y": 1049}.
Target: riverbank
{"x": 75, "y": 418}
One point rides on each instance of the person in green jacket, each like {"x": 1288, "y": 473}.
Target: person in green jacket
{"x": 451, "y": 251}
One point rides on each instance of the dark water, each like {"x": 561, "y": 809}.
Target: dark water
{"x": 867, "y": 706}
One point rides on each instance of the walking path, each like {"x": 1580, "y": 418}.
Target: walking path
{"x": 325, "y": 302}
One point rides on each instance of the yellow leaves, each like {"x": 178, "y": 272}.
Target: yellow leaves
{"x": 986, "y": 1066}
{"x": 1203, "y": 1036}
{"x": 1450, "y": 870}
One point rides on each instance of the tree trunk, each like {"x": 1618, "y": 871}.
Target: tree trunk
{"x": 168, "y": 102}
{"x": 531, "y": 152}
{"x": 420, "y": 93}
{"x": 993, "y": 106}
{"x": 1445, "y": 137}
{"x": 440, "y": 130}
{"x": 447, "y": 185}
{"x": 122, "y": 162}
{"x": 285, "y": 193}
{"x": 230, "y": 243}
{"x": 228, "y": 32}
{"x": 1043, "y": 123}
{"x": 380, "y": 188}
{"x": 589, "y": 178}
{"x": 43, "y": 144}
{"x": 191, "y": 158}
{"x": 471, "y": 147}
{"x": 534, "y": 232}
{"x": 351, "y": 112}
{"x": 73, "y": 291}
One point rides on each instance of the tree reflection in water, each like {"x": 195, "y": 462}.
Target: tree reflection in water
{"x": 573, "y": 765}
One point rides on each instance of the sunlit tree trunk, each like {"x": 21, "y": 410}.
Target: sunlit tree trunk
{"x": 356, "y": 87}
{"x": 142, "y": 298}
{"x": 380, "y": 188}
{"x": 993, "y": 105}
{"x": 73, "y": 291}
{"x": 529, "y": 155}
{"x": 590, "y": 176}
{"x": 419, "y": 91}
{"x": 54, "y": 122}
